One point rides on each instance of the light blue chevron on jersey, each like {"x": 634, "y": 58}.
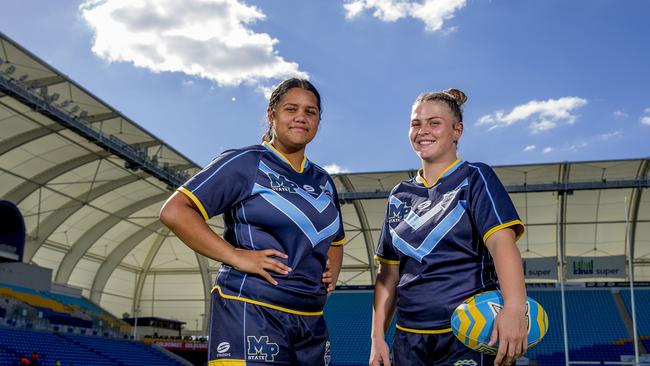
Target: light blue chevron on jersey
{"x": 297, "y": 216}
{"x": 416, "y": 221}
{"x": 429, "y": 243}
{"x": 320, "y": 203}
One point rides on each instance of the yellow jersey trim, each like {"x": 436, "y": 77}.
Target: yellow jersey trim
{"x": 196, "y": 201}
{"x": 518, "y": 233}
{"x": 424, "y": 181}
{"x": 338, "y": 243}
{"x": 260, "y": 303}
{"x": 302, "y": 165}
{"x": 227, "y": 362}
{"x": 386, "y": 261}
{"x": 423, "y": 331}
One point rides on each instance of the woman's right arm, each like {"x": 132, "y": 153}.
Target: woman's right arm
{"x": 182, "y": 217}
{"x": 382, "y": 314}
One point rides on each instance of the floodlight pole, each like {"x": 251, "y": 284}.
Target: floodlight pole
{"x": 560, "y": 239}
{"x": 135, "y": 324}
{"x": 631, "y": 262}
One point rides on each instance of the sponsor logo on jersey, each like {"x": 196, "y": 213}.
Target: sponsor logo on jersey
{"x": 308, "y": 188}
{"x": 223, "y": 347}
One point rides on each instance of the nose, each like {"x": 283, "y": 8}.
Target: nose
{"x": 300, "y": 117}
{"x": 424, "y": 130}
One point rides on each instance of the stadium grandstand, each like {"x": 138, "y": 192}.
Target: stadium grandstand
{"x": 83, "y": 255}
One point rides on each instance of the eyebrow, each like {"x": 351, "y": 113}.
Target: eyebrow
{"x": 297, "y": 105}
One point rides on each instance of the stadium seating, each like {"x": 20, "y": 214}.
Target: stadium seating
{"x": 349, "y": 317}
{"x": 641, "y": 300}
{"x": 77, "y": 350}
{"x": 125, "y": 352}
{"x": 62, "y": 310}
{"x": 599, "y": 352}
{"x": 583, "y": 307}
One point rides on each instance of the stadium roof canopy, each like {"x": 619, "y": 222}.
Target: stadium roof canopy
{"x": 90, "y": 182}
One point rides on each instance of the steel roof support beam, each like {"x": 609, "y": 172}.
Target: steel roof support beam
{"x": 111, "y": 144}
{"x": 49, "y": 226}
{"x": 635, "y": 202}
{"x": 641, "y": 182}
{"x": 26, "y": 137}
{"x": 204, "y": 267}
{"x": 117, "y": 255}
{"x": 22, "y": 191}
{"x": 365, "y": 228}
{"x": 137, "y": 293}
{"x": 88, "y": 239}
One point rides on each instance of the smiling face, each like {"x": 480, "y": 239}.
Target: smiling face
{"x": 294, "y": 119}
{"x": 434, "y": 132}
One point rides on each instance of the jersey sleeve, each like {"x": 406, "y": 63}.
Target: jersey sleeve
{"x": 227, "y": 180}
{"x": 385, "y": 252}
{"x": 490, "y": 205}
{"x": 339, "y": 238}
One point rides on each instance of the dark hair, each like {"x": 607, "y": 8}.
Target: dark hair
{"x": 281, "y": 90}
{"x": 453, "y": 98}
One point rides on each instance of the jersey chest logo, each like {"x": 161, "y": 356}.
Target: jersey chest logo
{"x": 280, "y": 184}
{"x": 412, "y": 222}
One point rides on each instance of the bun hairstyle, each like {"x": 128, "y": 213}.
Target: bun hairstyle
{"x": 281, "y": 90}
{"x": 453, "y": 98}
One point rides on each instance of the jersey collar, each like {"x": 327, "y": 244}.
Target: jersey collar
{"x": 448, "y": 170}
{"x": 280, "y": 155}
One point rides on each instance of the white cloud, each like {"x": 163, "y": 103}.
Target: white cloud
{"x": 205, "y": 38}
{"x": 645, "y": 120}
{"x": 433, "y": 13}
{"x": 576, "y": 147}
{"x": 611, "y": 135}
{"x": 544, "y": 125}
{"x": 335, "y": 169}
{"x": 566, "y": 148}
{"x": 543, "y": 114}
{"x": 449, "y": 30}
{"x": 266, "y": 90}
{"x": 620, "y": 114}
{"x": 530, "y": 148}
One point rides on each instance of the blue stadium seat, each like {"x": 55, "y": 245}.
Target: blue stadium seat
{"x": 78, "y": 350}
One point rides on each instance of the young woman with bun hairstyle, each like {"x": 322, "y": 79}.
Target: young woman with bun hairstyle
{"x": 281, "y": 250}
{"x": 447, "y": 234}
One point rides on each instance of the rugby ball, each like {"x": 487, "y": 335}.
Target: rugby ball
{"x": 472, "y": 321}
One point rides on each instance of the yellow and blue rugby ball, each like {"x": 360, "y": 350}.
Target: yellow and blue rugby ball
{"x": 472, "y": 321}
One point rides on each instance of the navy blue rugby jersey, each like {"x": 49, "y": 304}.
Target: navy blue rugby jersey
{"x": 436, "y": 233}
{"x": 267, "y": 204}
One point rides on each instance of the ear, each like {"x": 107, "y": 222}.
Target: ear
{"x": 269, "y": 115}
{"x": 458, "y": 130}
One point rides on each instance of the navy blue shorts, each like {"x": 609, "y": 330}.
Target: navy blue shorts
{"x": 414, "y": 349}
{"x": 248, "y": 334}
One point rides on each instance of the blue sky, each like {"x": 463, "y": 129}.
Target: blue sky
{"x": 547, "y": 81}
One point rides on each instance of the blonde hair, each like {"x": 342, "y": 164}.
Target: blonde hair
{"x": 453, "y": 98}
